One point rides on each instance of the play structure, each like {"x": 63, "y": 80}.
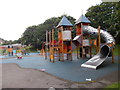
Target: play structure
{"x": 62, "y": 48}
{"x": 19, "y": 54}
{"x": 87, "y": 38}
{"x": 12, "y": 50}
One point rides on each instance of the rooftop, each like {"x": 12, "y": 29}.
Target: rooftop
{"x": 82, "y": 19}
{"x": 64, "y": 22}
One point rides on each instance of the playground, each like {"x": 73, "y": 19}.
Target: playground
{"x": 71, "y": 59}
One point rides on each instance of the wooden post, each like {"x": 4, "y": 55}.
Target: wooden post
{"x": 46, "y": 45}
{"x": 82, "y": 40}
{"x": 99, "y": 40}
{"x": 118, "y": 55}
{"x": 53, "y": 43}
{"x": 90, "y": 51}
{"x": 58, "y": 46}
{"x": 49, "y": 44}
{"x": 58, "y": 53}
{"x": 77, "y": 53}
{"x": 71, "y": 47}
{"x": 62, "y": 46}
{"x": 90, "y": 47}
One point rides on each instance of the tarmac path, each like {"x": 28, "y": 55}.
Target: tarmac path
{"x": 14, "y": 76}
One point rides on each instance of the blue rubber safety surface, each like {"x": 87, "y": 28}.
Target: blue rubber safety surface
{"x": 68, "y": 70}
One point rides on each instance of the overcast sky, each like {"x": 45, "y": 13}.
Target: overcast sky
{"x": 17, "y": 15}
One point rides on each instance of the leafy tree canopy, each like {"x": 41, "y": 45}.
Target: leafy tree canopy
{"x": 106, "y": 15}
{"x": 35, "y": 35}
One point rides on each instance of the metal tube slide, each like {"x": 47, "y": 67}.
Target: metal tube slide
{"x": 93, "y": 31}
{"x": 104, "y": 52}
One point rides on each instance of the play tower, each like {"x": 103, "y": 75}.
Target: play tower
{"x": 65, "y": 38}
{"x": 86, "y": 43}
{"x": 62, "y": 47}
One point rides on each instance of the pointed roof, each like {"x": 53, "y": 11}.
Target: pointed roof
{"x": 82, "y": 19}
{"x": 64, "y": 22}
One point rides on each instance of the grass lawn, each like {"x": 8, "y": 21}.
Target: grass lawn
{"x": 1, "y": 51}
{"x": 115, "y": 85}
{"x": 116, "y": 50}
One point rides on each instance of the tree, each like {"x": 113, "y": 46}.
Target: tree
{"x": 107, "y": 15}
{"x": 35, "y": 35}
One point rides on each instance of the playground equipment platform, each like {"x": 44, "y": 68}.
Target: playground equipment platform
{"x": 86, "y": 39}
{"x": 68, "y": 70}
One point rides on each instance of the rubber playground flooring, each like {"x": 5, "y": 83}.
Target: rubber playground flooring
{"x": 67, "y": 70}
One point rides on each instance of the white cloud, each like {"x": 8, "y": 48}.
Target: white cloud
{"x": 17, "y": 15}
